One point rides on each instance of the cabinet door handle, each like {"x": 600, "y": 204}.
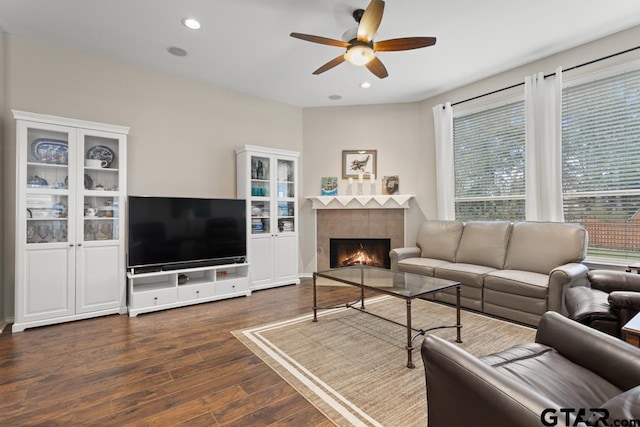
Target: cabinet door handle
{"x": 70, "y": 245}
{"x": 79, "y": 244}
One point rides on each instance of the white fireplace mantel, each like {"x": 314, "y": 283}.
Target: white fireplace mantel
{"x": 400, "y": 201}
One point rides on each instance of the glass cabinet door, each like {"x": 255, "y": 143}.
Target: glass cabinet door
{"x": 286, "y": 196}
{"x": 100, "y": 186}
{"x": 47, "y": 218}
{"x": 101, "y": 218}
{"x": 47, "y": 185}
{"x": 260, "y": 195}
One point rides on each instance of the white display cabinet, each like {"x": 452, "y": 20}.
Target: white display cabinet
{"x": 267, "y": 178}
{"x": 71, "y": 187}
{"x": 162, "y": 290}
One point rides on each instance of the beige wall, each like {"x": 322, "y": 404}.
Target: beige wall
{"x": 394, "y": 130}
{"x": 183, "y": 133}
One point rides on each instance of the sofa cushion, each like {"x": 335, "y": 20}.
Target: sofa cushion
{"x": 543, "y": 246}
{"x": 470, "y": 297}
{"x": 424, "y": 266}
{"x": 518, "y": 282}
{"x": 467, "y": 274}
{"x": 526, "y": 310}
{"x": 484, "y": 243}
{"x": 545, "y": 370}
{"x": 439, "y": 239}
{"x": 623, "y": 407}
{"x": 585, "y": 305}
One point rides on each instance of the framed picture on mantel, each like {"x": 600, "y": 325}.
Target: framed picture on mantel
{"x": 359, "y": 162}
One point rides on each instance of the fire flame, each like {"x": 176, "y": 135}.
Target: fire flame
{"x": 360, "y": 257}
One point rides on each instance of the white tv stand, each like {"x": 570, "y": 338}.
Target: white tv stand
{"x": 160, "y": 290}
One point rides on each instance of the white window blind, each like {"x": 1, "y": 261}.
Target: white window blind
{"x": 601, "y": 163}
{"x": 489, "y": 164}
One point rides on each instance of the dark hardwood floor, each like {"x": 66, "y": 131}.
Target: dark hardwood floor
{"x": 173, "y": 367}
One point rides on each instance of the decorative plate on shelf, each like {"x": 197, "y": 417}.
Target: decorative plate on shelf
{"x": 37, "y": 182}
{"x": 101, "y": 152}
{"x": 52, "y": 151}
{"x": 88, "y": 182}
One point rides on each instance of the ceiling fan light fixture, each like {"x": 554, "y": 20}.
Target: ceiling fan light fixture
{"x": 360, "y": 54}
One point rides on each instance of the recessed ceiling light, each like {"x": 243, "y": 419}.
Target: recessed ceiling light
{"x": 190, "y": 23}
{"x": 365, "y": 85}
{"x": 177, "y": 51}
{"x": 334, "y": 97}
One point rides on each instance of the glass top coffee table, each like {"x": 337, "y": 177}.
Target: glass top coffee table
{"x": 400, "y": 285}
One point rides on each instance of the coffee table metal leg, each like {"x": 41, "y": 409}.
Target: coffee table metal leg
{"x": 409, "y": 338}
{"x": 458, "y": 324}
{"x": 315, "y": 305}
{"x": 362, "y": 287}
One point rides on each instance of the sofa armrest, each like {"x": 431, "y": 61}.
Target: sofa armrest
{"x": 398, "y": 254}
{"x": 625, "y": 300}
{"x": 605, "y": 355}
{"x": 561, "y": 278}
{"x": 611, "y": 280}
{"x": 455, "y": 377}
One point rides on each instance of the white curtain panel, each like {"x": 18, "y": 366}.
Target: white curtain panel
{"x": 443, "y": 127}
{"x": 543, "y": 147}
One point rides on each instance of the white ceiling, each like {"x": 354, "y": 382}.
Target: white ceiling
{"x": 244, "y": 45}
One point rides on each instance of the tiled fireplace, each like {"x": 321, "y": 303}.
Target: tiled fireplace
{"x": 358, "y": 226}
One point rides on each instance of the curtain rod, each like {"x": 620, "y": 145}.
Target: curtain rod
{"x": 548, "y": 75}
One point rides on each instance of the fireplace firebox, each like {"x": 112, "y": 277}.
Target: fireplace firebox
{"x": 346, "y": 252}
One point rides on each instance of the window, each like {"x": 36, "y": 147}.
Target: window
{"x": 489, "y": 164}
{"x": 601, "y": 162}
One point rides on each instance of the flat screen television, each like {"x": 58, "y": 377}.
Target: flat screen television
{"x": 175, "y": 232}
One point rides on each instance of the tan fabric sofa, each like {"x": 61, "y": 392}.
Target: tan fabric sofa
{"x": 514, "y": 270}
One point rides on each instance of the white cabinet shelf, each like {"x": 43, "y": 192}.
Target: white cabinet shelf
{"x": 162, "y": 290}
{"x": 152, "y": 286}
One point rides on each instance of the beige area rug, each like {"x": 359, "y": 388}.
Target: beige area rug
{"x": 352, "y": 366}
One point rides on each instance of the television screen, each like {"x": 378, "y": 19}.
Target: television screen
{"x": 174, "y": 230}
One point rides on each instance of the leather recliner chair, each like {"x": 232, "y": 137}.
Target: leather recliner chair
{"x": 560, "y": 379}
{"x": 612, "y": 299}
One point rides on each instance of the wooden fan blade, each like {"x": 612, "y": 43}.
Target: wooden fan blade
{"x": 377, "y": 67}
{"x": 406, "y": 43}
{"x": 329, "y": 65}
{"x": 321, "y": 40}
{"x": 370, "y": 21}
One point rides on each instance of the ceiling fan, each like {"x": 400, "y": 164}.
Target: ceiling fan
{"x": 361, "y": 49}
